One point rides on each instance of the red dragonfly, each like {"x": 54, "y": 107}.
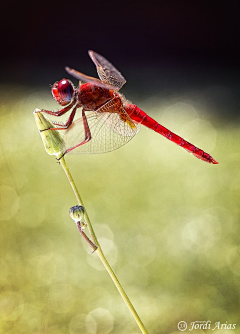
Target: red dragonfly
{"x": 108, "y": 120}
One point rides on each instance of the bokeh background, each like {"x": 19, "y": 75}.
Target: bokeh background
{"x": 168, "y": 223}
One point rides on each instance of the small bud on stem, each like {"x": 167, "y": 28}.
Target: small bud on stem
{"x": 77, "y": 214}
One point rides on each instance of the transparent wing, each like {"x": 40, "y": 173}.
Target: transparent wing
{"x": 109, "y": 131}
{"x": 86, "y": 78}
{"x": 106, "y": 71}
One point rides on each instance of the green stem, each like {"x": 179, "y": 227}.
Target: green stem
{"x": 100, "y": 252}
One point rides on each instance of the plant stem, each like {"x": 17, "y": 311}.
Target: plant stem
{"x": 100, "y": 252}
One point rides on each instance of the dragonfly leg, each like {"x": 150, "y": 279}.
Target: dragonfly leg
{"x": 60, "y": 113}
{"x": 87, "y": 131}
{"x": 62, "y": 126}
{"x": 68, "y": 122}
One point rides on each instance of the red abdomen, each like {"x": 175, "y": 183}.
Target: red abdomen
{"x": 140, "y": 116}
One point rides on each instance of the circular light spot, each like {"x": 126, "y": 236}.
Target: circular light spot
{"x": 110, "y": 251}
{"x": 46, "y": 268}
{"x": 140, "y": 247}
{"x": 178, "y": 114}
{"x": 99, "y": 321}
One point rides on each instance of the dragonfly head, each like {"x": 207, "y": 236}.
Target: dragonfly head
{"x": 63, "y": 91}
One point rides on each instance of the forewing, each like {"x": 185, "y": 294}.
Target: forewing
{"x": 108, "y": 131}
{"x": 86, "y": 78}
{"x": 106, "y": 71}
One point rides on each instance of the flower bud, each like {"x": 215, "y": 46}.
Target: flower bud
{"x": 52, "y": 139}
{"x": 77, "y": 213}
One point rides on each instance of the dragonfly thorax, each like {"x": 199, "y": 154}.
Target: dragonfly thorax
{"x": 92, "y": 97}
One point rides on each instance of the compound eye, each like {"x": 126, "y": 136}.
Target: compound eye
{"x": 62, "y": 91}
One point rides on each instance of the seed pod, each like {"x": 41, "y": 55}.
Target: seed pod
{"x": 77, "y": 213}
{"x": 52, "y": 139}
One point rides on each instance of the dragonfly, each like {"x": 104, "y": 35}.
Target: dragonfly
{"x": 108, "y": 120}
